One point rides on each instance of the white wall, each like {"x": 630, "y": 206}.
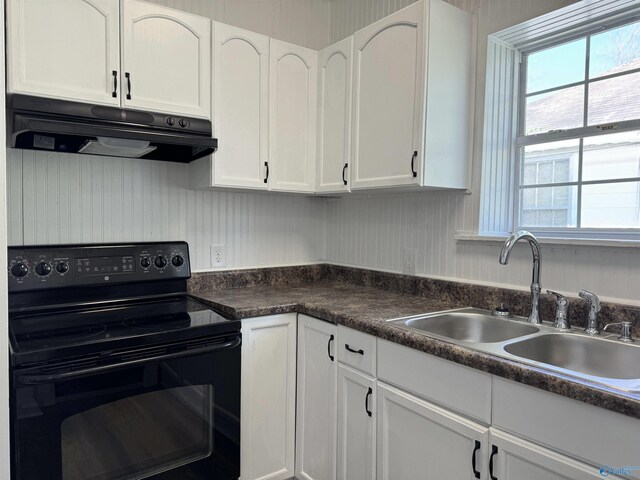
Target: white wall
{"x": 68, "y": 198}
{"x": 372, "y": 232}
{"x": 303, "y": 22}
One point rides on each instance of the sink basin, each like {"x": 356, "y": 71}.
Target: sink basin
{"x": 588, "y": 356}
{"x": 468, "y": 325}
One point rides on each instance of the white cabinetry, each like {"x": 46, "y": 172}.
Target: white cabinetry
{"x": 65, "y": 49}
{"x": 356, "y": 425}
{"x": 419, "y": 440}
{"x": 268, "y": 397}
{"x": 166, "y": 58}
{"x": 240, "y": 107}
{"x": 72, "y": 50}
{"x": 334, "y": 117}
{"x": 316, "y": 405}
{"x": 517, "y": 459}
{"x": 292, "y": 126}
{"x": 411, "y": 98}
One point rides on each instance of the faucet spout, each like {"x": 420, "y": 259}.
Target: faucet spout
{"x": 534, "y": 317}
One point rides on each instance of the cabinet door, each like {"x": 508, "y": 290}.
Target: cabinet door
{"x": 166, "y": 60}
{"x": 66, "y": 49}
{"x": 419, "y": 440}
{"x": 517, "y": 459}
{"x": 388, "y": 102}
{"x": 268, "y": 400}
{"x": 317, "y": 382}
{"x": 334, "y": 117}
{"x": 240, "y": 107}
{"x": 292, "y": 126}
{"x": 356, "y": 425}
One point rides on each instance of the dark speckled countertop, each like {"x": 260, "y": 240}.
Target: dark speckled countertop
{"x": 366, "y": 308}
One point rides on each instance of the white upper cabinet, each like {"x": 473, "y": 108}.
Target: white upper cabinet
{"x": 334, "y": 117}
{"x": 292, "y": 126}
{"x": 65, "y": 49}
{"x": 166, "y": 60}
{"x": 240, "y": 107}
{"x": 412, "y": 127}
{"x": 388, "y": 98}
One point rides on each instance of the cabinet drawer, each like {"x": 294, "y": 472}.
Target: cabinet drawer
{"x": 357, "y": 349}
{"x": 456, "y": 387}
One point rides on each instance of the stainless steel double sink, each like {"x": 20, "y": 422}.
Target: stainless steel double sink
{"x": 602, "y": 360}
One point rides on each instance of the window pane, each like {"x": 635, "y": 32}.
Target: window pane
{"x": 554, "y": 162}
{"x": 611, "y": 205}
{"x": 615, "y": 99}
{"x": 556, "y": 66}
{"x": 549, "y": 207}
{"x": 615, "y": 50}
{"x": 611, "y": 156}
{"x": 557, "y": 110}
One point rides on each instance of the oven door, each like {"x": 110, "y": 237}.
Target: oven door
{"x": 164, "y": 416}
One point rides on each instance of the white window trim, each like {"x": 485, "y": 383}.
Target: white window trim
{"x": 501, "y": 114}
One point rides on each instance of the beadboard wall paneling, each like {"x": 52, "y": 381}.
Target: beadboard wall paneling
{"x": 303, "y": 22}
{"x": 348, "y": 16}
{"x": 372, "y": 232}
{"x": 68, "y": 198}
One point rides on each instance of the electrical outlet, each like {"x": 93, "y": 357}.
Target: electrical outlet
{"x": 409, "y": 261}
{"x": 218, "y": 258}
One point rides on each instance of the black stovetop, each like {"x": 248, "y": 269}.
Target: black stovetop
{"x": 61, "y": 333}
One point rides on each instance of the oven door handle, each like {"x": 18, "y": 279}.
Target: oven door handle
{"x": 58, "y": 377}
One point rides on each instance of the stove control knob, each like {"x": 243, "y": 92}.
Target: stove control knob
{"x": 145, "y": 262}
{"x": 161, "y": 262}
{"x": 62, "y": 267}
{"x": 19, "y": 270}
{"x": 177, "y": 261}
{"x": 43, "y": 269}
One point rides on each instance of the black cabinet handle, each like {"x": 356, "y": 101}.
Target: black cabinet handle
{"x": 128, "y": 77}
{"x": 360, "y": 352}
{"x": 413, "y": 160}
{"x": 366, "y": 401}
{"x": 266, "y": 178}
{"x": 329, "y": 348}
{"x": 344, "y": 169}
{"x": 494, "y": 451}
{"x": 114, "y": 94}
{"x": 476, "y": 473}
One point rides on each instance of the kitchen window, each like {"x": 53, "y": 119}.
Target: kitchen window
{"x": 562, "y": 125}
{"x": 579, "y": 133}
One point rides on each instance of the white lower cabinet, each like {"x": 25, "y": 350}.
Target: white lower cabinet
{"x": 418, "y": 440}
{"x": 515, "y": 459}
{"x": 268, "y": 399}
{"x": 356, "y": 425}
{"x": 316, "y": 407}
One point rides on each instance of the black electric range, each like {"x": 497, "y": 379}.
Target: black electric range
{"x": 116, "y": 372}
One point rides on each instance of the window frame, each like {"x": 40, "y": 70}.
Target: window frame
{"x": 522, "y": 140}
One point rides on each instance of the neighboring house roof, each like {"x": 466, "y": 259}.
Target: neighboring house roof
{"x": 610, "y": 100}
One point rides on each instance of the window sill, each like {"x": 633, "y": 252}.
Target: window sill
{"x": 577, "y": 242}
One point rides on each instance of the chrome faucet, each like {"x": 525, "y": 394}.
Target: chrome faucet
{"x": 562, "y": 306}
{"x": 535, "y": 281}
{"x": 594, "y": 308}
